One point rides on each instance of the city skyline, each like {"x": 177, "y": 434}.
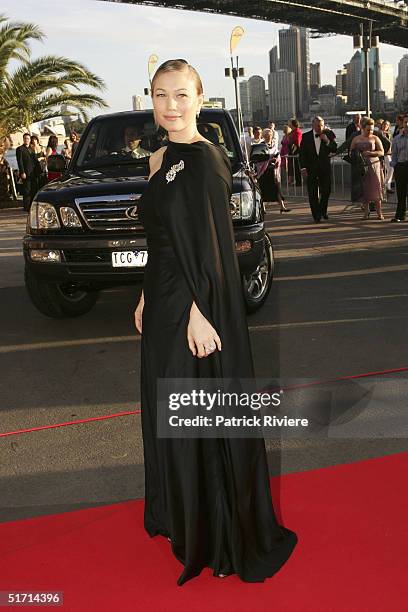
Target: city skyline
{"x": 115, "y": 40}
{"x": 294, "y": 83}
{"x": 289, "y": 65}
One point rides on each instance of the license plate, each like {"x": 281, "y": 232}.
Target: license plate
{"x": 129, "y": 259}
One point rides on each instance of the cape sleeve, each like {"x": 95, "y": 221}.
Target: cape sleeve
{"x": 195, "y": 211}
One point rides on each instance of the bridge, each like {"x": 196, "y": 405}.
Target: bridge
{"x": 389, "y": 19}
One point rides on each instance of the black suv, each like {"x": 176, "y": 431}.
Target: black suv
{"x": 83, "y": 232}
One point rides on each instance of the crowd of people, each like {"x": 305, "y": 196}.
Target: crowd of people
{"x": 32, "y": 160}
{"x": 377, "y": 154}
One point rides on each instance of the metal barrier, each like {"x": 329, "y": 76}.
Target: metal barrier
{"x": 341, "y": 180}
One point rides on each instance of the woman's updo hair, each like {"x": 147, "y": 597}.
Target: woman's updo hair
{"x": 178, "y": 65}
{"x": 367, "y": 121}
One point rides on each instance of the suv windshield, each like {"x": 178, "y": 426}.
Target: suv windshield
{"x": 131, "y": 139}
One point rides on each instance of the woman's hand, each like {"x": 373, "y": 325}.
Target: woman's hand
{"x": 139, "y": 314}
{"x": 202, "y": 337}
{"x": 373, "y": 153}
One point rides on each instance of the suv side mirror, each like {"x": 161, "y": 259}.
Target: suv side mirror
{"x": 56, "y": 163}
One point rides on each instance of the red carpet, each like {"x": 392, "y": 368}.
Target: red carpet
{"x": 351, "y": 557}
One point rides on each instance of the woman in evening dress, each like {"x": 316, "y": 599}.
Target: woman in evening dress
{"x": 370, "y": 147}
{"x": 210, "y": 497}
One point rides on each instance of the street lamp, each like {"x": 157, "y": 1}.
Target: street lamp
{"x": 235, "y": 71}
{"x": 365, "y": 41}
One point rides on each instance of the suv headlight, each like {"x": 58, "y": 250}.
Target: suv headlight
{"x": 69, "y": 217}
{"x": 242, "y": 205}
{"x": 43, "y": 216}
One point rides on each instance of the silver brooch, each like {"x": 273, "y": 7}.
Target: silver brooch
{"x": 171, "y": 174}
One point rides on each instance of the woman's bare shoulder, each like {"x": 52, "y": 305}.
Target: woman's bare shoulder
{"x": 155, "y": 160}
{"x": 158, "y": 154}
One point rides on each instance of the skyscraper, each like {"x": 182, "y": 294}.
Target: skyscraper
{"x": 354, "y": 81}
{"x": 257, "y": 95}
{"x": 402, "y": 82}
{"x": 315, "y": 74}
{"x": 245, "y": 100}
{"x": 273, "y": 59}
{"x": 341, "y": 82}
{"x": 282, "y": 96}
{"x": 294, "y": 56}
{"x": 290, "y": 53}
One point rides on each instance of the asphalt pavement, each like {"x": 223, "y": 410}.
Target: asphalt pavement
{"x": 338, "y": 308}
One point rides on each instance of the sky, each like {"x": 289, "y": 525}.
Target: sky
{"x": 115, "y": 40}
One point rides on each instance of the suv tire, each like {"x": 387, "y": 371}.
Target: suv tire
{"x": 256, "y": 286}
{"x": 58, "y": 300}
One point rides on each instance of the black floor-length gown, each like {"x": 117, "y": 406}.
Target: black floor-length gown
{"x": 210, "y": 496}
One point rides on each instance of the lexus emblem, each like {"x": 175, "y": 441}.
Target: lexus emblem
{"x": 131, "y": 212}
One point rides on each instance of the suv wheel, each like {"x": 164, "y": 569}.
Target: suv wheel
{"x": 58, "y": 300}
{"x": 257, "y": 285}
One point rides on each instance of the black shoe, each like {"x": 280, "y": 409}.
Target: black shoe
{"x": 317, "y": 220}
{"x": 325, "y": 217}
{"x": 395, "y": 220}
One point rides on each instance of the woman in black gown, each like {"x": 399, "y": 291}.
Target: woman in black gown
{"x": 210, "y": 497}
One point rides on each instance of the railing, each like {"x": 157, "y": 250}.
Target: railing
{"x": 340, "y": 172}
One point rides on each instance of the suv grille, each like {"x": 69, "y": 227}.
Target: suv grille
{"x": 108, "y": 213}
{"x": 88, "y": 255}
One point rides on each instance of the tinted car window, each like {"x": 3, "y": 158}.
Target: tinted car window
{"x": 218, "y": 133}
{"x": 131, "y": 139}
{"x": 119, "y": 139}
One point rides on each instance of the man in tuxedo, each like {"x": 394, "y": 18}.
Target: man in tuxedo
{"x": 315, "y": 148}
{"x": 26, "y": 167}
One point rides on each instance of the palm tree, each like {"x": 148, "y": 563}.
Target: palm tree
{"x": 36, "y": 89}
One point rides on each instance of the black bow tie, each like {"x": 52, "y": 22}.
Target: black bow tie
{"x": 317, "y": 135}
